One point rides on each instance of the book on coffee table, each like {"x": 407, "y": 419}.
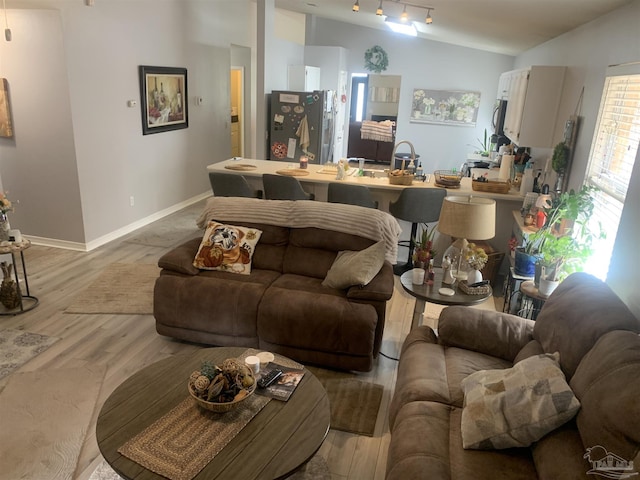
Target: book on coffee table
{"x": 283, "y": 387}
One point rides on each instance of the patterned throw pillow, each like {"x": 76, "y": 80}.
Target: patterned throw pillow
{"x": 227, "y": 247}
{"x": 517, "y": 406}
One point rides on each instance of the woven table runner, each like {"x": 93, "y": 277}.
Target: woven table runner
{"x": 181, "y": 443}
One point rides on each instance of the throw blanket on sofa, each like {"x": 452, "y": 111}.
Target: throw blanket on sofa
{"x": 361, "y": 221}
{"x": 379, "y": 131}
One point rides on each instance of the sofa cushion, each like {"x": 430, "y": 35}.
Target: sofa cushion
{"x": 517, "y": 406}
{"x": 560, "y": 454}
{"x": 576, "y": 315}
{"x": 355, "y": 267}
{"x": 228, "y": 248}
{"x": 607, "y": 382}
{"x": 297, "y": 311}
{"x": 427, "y": 443}
{"x": 428, "y": 371}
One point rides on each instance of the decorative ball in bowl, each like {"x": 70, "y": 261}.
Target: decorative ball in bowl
{"x": 221, "y": 388}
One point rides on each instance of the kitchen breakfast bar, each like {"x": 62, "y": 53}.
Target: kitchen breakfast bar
{"x": 316, "y": 182}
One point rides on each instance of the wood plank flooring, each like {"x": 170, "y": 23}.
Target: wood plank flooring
{"x": 126, "y": 343}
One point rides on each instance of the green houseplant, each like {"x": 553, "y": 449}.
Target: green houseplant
{"x": 564, "y": 243}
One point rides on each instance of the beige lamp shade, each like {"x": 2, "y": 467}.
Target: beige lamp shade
{"x": 473, "y": 218}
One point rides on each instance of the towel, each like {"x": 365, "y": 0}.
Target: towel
{"x": 303, "y": 133}
{"x": 364, "y": 222}
{"x": 379, "y": 131}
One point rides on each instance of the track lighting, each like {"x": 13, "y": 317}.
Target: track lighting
{"x": 379, "y": 11}
{"x": 428, "y": 20}
{"x": 356, "y": 6}
{"x": 404, "y": 16}
{"x": 7, "y": 30}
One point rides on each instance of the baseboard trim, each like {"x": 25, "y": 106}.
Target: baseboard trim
{"x": 109, "y": 237}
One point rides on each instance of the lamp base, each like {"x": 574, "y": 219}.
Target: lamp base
{"x": 459, "y": 268}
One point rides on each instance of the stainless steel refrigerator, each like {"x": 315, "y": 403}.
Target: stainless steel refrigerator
{"x": 302, "y": 124}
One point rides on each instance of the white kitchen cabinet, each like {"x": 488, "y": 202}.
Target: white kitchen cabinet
{"x": 532, "y": 104}
{"x": 303, "y": 78}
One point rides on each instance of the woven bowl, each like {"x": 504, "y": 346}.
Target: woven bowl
{"x": 401, "y": 179}
{"x": 218, "y": 407}
{"x": 448, "y": 178}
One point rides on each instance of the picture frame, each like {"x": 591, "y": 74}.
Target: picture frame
{"x": 163, "y": 99}
{"x": 445, "y": 107}
{"x": 6, "y": 128}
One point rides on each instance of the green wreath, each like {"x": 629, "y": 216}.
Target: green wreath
{"x": 376, "y": 59}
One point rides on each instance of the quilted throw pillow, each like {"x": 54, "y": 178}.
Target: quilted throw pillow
{"x": 517, "y": 406}
{"x": 227, "y": 247}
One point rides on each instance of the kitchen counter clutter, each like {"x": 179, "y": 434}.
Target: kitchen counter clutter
{"x": 318, "y": 179}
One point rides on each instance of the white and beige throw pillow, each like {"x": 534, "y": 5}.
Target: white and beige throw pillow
{"x": 517, "y": 406}
{"x": 227, "y": 247}
{"x": 355, "y": 268}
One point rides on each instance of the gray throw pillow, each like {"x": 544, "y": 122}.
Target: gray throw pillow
{"x": 355, "y": 268}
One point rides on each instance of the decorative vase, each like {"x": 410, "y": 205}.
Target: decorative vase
{"x": 9, "y": 296}
{"x": 474, "y": 276}
{"x": 4, "y": 227}
{"x": 525, "y": 264}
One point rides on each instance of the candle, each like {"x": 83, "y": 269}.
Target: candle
{"x": 303, "y": 161}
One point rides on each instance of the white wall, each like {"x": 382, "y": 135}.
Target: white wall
{"x": 79, "y": 153}
{"x": 423, "y": 64}
{"x": 587, "y": 52}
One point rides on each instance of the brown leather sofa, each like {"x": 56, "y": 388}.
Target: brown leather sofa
{"x": 281, "y": 306}
{"x": 597, "y": 338}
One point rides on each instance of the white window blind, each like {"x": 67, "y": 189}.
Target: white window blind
{"x": 613, "y": 153}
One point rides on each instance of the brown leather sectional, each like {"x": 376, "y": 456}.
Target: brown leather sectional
{"x": 281, "y": 306}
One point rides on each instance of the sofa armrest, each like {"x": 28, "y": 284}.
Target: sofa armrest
{"x": 180, "y": 259}
{"x": 493, "y": 333}
{"x": 380, "y": 288}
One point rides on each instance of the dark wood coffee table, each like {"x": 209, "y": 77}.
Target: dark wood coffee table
{"x": 280, "y": 439}
{"x": 429, "y": 293}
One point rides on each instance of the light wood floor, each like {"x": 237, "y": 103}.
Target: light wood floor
{"x": 126, "y": 343}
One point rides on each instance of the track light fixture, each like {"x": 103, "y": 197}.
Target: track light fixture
{"x": 404, "y": 17}
{"x": 7, "y": 30}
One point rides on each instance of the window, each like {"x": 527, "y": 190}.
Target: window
{"x": 613, "y": 153}
{"x": 359, "y": 83}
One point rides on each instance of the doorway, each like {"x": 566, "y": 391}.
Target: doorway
{"x": 237, "y": 111}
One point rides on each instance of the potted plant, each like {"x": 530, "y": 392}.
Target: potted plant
{"x": 564, "y": 243}
{"x": 423, "y": 250}
{"x": 559, "y": 163}
{"x": 484, "y": 145}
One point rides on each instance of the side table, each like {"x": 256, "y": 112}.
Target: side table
{"x": 430, "y": 293}
{"x": 27, "y": 301}
{"x": 511, "y": 290}
{"x": 532, "y": 300}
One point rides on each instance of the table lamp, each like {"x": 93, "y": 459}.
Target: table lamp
{"x": 462, "y": 218}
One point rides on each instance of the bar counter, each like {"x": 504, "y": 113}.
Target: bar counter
{"x": 381, "y": 191}
{"x": 317, "y": 182}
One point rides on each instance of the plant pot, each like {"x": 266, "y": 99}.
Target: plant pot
{"x": 547, "y": 287}
{"x": 525, "y": 264}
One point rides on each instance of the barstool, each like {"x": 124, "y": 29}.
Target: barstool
{"x": 231, "y": 185}
{"x": 350, "y": 194}
{"x": 416, "y": 205}
{"x": 280, "y": 187}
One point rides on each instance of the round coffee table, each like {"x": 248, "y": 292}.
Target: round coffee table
{"x": 429, "y": 293}
{"x": 280, "y": 439}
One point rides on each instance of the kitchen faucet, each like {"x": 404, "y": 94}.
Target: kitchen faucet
{"x": 393, "y": 155}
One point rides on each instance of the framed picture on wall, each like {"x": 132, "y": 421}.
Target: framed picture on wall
{"x": 445, "y": 107}
{"x": 163, "y": 94}
{"x": 6, "y": 130}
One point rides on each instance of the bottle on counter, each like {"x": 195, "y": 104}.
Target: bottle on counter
{"x": 419, "y": 171}
{"x": 527, "y": 179}
{"x": 431, "y": 274}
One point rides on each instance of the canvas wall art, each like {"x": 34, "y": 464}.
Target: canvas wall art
{"x": 163, "y": 93}
{"x": 6, "y": 130}
{"x": 445, "y": 107}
